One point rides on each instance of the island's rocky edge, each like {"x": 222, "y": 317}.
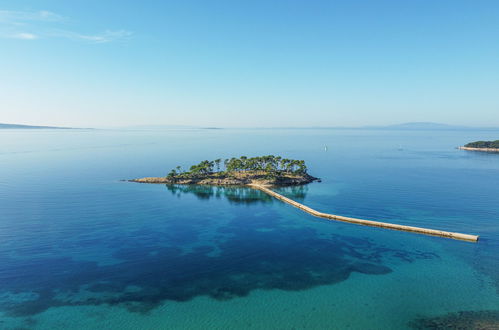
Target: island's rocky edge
{"x": 235, "y": 179}
{"x": 480, "y": 149}
{"x": 485, "y": 146}
{"x": 267, "y": 170}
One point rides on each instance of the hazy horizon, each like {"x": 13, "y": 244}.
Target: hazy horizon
{"x": 407, "y": 125}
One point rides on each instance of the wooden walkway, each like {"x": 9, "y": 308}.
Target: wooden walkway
{"x": 419, "y": 230}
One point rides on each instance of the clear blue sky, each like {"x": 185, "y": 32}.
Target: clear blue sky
{"x": 249, "y": 63}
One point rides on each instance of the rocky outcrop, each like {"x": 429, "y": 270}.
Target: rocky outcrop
{"x": 480, "y": 149}
{"x": 234, "y": 179}
{"x": 486, "y": 319}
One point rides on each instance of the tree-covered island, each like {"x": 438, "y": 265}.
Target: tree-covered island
{"x": 483, "y": 144}
{"x": 488, "y": 146}
{"x": 264, "y": 170}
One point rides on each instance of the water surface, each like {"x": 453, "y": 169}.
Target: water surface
{"x": 81, "y": 249}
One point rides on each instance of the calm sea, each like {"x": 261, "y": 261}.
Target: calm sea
{"x": 81, "y": 249}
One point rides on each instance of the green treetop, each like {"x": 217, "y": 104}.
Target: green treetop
{"x": 270, "y": 165}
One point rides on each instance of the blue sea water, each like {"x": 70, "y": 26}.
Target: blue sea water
{"x": 80, "y": 249}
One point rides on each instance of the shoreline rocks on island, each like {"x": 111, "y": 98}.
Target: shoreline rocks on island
{"x": 479, "y": 149}
{"x": 235, "y": 179}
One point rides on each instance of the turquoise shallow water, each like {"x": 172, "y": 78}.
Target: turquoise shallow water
{"x": 81, "y": 249}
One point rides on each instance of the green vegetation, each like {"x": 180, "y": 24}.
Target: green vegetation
{"x": 483, "y": 144}
{"x": 270, "y": 166}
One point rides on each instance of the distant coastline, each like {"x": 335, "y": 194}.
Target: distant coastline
{"x": 411, "y": 126}
{"x": 19, "y": 126}
{"x": 484, "y": 146}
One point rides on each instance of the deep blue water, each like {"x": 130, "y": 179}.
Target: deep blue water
{"x": 81, "y": 249}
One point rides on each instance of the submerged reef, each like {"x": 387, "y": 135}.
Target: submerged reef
{"x": 460, "y": 320}
{"x": 174, "y": 261}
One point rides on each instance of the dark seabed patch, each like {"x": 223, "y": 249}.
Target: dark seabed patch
{"x": 461, "y": 320}
{"x": 262, "y": 250}
{"x": 237, "y": 195}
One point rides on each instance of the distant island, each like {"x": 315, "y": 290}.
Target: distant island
{"x": 265, "y": 170}
{"x": 18, "y": 126}
{"x": 487, "y": 146}
{"x": 166, "y": 127}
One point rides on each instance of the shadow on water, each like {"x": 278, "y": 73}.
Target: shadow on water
{"x": 237, "y": 194}
{"x": 254, "y": 251}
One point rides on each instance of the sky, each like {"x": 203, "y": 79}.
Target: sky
{"x": 249, "y": 63}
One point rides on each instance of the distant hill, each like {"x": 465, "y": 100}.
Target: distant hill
{"x": 161, "y": 127}
{"x": 428, "y": 126}
{"x": 425, "y": 125}
{"x": 17, "y": 126}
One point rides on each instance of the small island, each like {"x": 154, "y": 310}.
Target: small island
{"x": 265, "y": 171}
{"x": 486, "y": 146}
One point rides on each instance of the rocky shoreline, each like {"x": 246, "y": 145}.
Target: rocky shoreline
{"x": 479, "y": 149}
{"x": 235, "y": 179}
